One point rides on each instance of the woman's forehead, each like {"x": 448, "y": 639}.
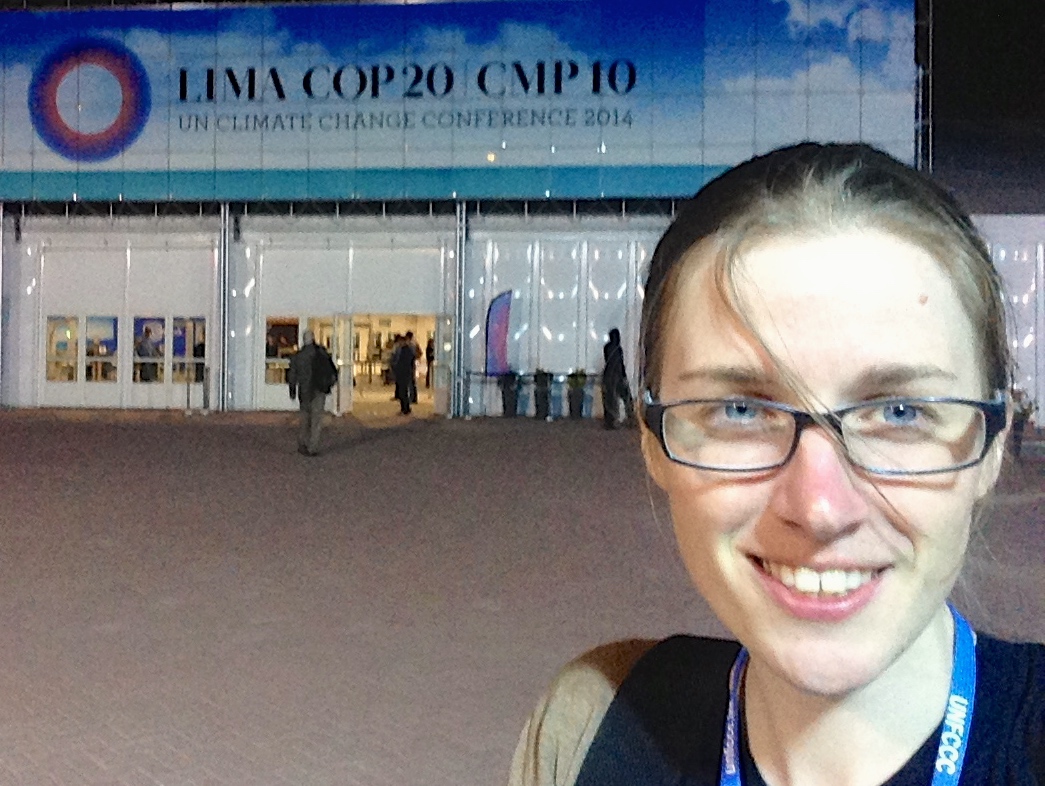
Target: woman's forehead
{"x": 841, "y": 301}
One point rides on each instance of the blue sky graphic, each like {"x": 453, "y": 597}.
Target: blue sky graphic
{"x": 703, "y": 67}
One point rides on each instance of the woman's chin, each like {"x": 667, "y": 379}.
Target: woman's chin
{"x": 821, "y": 671}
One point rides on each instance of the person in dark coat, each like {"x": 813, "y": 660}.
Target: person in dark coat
{"x": 413, "y": 373}
{"x": 310, "y": 377}
{"x": 615, "y": 383}
{"x": 429, "y": 361}
{"x": 404, "y": 359}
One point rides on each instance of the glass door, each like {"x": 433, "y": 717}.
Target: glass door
{"x": 442, "y": 365}
{"x": 190, "y": 373}
{"x": 343, "y": 353}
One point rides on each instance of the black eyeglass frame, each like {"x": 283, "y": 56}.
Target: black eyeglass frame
{"x": 994, "y": 418}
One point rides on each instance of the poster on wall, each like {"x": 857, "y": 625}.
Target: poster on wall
{"x": 440, "y": 100}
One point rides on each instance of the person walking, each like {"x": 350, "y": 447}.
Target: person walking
{"x": 311, "y": 376}
{"x": 615, "y": 383}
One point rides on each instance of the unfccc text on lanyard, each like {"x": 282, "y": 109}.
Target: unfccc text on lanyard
{"x": 950, "y": 754}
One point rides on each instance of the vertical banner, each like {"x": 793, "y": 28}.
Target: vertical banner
{"x": 497, "y": 318}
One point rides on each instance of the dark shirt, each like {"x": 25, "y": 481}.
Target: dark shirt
{"x": 657, "y": 730}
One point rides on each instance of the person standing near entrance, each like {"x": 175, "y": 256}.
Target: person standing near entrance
{"x": 404, "y": 359}
{"x": 311, "y": 376}
{"x": 429, "y": 361}
{"x": 412, "y": 342}
{"x": 615, "y": 383}
{"x": 147, "y": 348}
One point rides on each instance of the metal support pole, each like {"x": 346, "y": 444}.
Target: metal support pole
{"x": 4, "y": 308}
{"x": 223, "y": 307}
{"x": 457, "y": 388}
{"x": 1039, "y": 325}
{"x": 924, "y": 135}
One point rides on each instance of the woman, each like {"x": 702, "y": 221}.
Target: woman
{"x": 825, "y": 376}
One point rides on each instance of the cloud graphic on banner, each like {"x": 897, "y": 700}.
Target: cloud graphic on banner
{"x": 854, "y": 80}
{"x": 804, "y": 14}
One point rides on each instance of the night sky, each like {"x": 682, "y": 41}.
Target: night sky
{"x": 989, "y": 103}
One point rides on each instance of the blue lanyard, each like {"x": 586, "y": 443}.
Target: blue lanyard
{"x": 949, "y": 755}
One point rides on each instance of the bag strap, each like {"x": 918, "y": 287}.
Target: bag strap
{"x": 666, "y": 723}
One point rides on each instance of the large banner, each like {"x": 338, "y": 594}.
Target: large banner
{"x": 528, "y": 99}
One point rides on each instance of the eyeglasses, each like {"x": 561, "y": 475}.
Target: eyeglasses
{"x": 892, "y": 436}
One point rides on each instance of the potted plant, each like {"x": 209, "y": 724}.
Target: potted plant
{"x": 542, "y": 390}
{"x": 508, "y": 382}
{"x": 575, "y": 384}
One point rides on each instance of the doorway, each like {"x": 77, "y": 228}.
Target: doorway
{"x": 373, "y": 338}
{"x": 361, "y": 346}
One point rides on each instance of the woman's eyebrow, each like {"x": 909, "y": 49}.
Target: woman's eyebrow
{"x": 733, "y": 375}
{"x": 877, "y": 377}
{"x": 898, "y": 375}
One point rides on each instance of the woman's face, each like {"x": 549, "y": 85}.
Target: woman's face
{"x": 855, "y": 315}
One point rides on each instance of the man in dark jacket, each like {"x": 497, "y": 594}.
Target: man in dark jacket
{"x": 404, "y": 361}
{"x": 615, "y": 383}
{"x": 312, "y": 374}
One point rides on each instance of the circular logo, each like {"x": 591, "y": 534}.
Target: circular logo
{"x": 93, "y": 134}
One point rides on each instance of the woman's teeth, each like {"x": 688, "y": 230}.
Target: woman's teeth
{"x": 811, "y": 582}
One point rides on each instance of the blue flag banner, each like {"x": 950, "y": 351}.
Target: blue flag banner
{"x": 497, "y": 317}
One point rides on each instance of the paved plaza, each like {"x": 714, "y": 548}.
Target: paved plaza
{"x": 188, "y": 601}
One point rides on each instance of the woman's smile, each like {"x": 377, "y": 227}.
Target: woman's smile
{"x": 829, "y": 595}
{"x": 810, "y": 581}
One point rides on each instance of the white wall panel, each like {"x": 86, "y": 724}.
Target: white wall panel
{"x": 1018, "y": 264}
{"x": 120, "y": 268}
{"x": 611, "y": 299}
{"x": 244, "y": 359}
{"x": 19, "y": 313}
{"x": 83, "y": 280}
{"x": 399, "y": 280}
{"x": 596, "y": 268}
{"x": 1018, "y": 251}
{"x": 559, "y": 298}
{"x": 303, "y": 280}
{"x": 166, "y": 280}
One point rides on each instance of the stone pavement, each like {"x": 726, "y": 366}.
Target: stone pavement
{"x": 188, "y": 601}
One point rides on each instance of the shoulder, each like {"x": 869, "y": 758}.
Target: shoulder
{"x": 1016, "y": 669}
{"x": 560, "y": 730}
{"x": 1008, "y": 724}
{"x": 636, "y": 707}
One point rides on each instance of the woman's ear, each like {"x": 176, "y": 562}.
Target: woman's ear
{"x": 653, "y": 455}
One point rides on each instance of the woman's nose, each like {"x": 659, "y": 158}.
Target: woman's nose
{"x": 816, "y": 490}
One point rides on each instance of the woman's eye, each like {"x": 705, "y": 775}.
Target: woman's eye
{"x": 900, "y": 414}
{"x": 739, "y": 411}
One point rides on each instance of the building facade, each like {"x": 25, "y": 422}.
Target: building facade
{"x": 186, "y": 191}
